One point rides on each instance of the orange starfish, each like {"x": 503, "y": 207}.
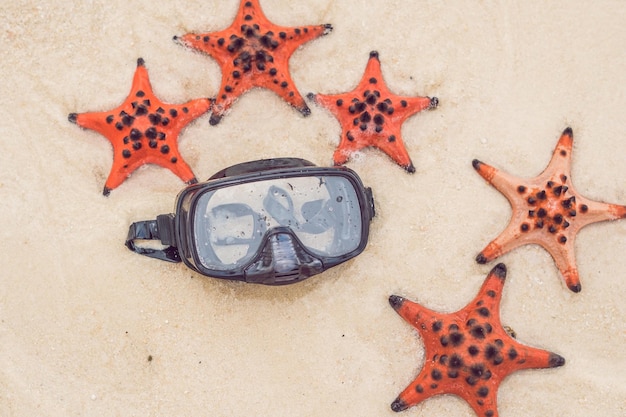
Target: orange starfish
{"x": 254, "y": 52}
{"x": 143, "y": 130}
{"x": 468, "y": 353}
{"x": 547, "y": 211}
{"x": 370, "y": 115}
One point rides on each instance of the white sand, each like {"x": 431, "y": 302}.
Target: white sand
{"x": 80, "y": 314}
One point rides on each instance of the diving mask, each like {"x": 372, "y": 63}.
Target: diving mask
{"x": 274, "y": 221}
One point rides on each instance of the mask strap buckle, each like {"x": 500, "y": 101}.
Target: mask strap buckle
{"x": 159, "y": 229}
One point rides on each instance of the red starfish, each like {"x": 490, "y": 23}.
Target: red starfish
{"x": 143, "y": 130}
{"x": 547, "y": 211}
{"x": 468, "y": 353}
{"x": 370, "y": 115}
{"x": 254, "y": 52}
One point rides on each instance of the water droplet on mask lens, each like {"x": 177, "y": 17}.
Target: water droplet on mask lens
{"x": 330, "y": 209}
{"x": 339, "y": 199}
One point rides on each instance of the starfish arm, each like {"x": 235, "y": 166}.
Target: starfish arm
{"x": 390, "y": 140}
{"x": 507, "y": 184}
{"x": 407, "y": 106}
{"x": 415, "y": 393}
{"x": 589, "y": 211}
{"x": 416, "y": 315}
{"x": 484, "y": 404}
{"x": 393, "y": 145}
{"x": 331, "y": 102}
{"x": 120, "y": 170}
{"x": 487, "y": 301}
{"x": 562, "y": 250}
{"x": 483, "y": 400}
{"x": 527, "y": 357}
{"x": 181, "y": 115}
{"x": 373, "y": 76}
{"x": 283, "y": 85}
{"x": 141, "y": 80}
{"x": 213, "y": 44}
{"x": 301, "y": 35}
{"x": 561, "y": 161}
{"x": 427, "y": 322}
{"x": 345, "y": 150}
{"x": 334, "y": 104}
{"x": 562, "y": 253}
{"x": 509, "y": 239}
{"x": 118, "y": 174}
{"x": 95, "y": 121}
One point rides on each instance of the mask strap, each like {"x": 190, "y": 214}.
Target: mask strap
{"x": 149, "y": 230}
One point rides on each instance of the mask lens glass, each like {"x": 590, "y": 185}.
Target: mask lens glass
{"x": 231, "y": 222}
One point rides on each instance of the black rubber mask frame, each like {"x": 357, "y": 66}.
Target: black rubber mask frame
{"x": 283, "y": 251}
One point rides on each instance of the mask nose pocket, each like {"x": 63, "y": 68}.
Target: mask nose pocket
{"x": 282, "y": 260}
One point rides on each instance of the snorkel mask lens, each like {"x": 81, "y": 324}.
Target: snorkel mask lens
{"x": 273, "y": 221}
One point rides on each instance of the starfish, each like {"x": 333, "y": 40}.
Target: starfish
{"x": 547, "y": 211}
{"x": 143, "y": 130}
{"x": 468, "y": 353}
{"x": 254, "y": 52}
{"x": 370, "y": 115}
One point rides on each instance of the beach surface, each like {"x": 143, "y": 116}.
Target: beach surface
{"x": 88, "y": 328}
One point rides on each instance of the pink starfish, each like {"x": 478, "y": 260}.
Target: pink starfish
{"x": 547, "y": 211}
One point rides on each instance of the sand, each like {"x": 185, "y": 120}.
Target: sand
{"x": 88, "y": 328}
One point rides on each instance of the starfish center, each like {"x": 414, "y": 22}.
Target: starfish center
{"x": 252, "y": 50}
{"x": 370, "y": 112}
{"x": 143, "y": 126}
{"x": 551, "y": 209}
{"x": 470, "y": 352}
